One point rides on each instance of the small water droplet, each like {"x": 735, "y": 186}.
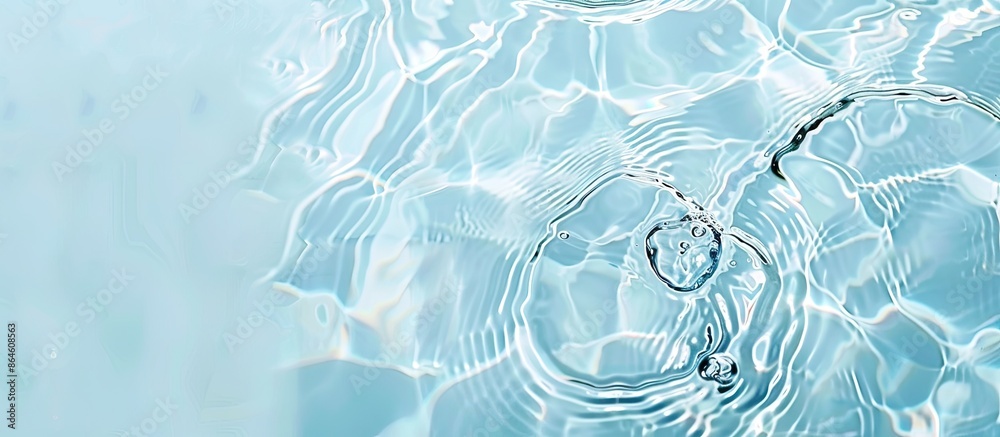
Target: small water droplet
{"x": 732, "y": 263}
{"x": 697, "y": 231}
{"x": 720, "y": 368}
{"x": 564, "y": 235}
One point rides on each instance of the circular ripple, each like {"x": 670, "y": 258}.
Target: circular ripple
{"x": 599, "y": 301}
{"x": 609, "y": 321}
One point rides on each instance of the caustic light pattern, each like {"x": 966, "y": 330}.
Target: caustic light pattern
{"x": 671, "y": 217}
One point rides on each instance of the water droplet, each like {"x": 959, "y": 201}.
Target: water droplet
{"x": 697, "y": 231}
{"x": 732, "y": 263}
{"x": 564, "y": 235}
{"x": 689, "y": 268}
{"x": 720, "y": 368}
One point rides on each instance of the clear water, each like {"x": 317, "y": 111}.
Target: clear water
{"x": 507, "y": 218}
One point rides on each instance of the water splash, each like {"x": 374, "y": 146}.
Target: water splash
{"x": 720, "y": 368}
{"x": 695, "y": 262}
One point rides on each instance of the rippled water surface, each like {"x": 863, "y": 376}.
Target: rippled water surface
{"x": 651, "y": 218}
{"x": 627, "y": 217}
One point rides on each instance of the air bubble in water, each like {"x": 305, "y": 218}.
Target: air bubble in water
{"x": 564, "y": 235}
{"x": 720, "y": 368}
{"x": 732, "y": 263}
{"x": 689, "y": 268}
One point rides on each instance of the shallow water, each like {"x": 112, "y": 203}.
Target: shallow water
{"x": 537, "y": 217}
{"x": 658, "y": 218}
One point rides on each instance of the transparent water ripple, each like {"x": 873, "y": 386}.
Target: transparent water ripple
{"x": 645, "y": 218}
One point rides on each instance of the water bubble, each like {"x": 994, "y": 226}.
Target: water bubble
{"x": 564, "y": 235}
{"x": 720, "y": 368}
{"x": 732, "y": 263}
{"x": 697, "y": 231}
{"x": 697, "y": 261}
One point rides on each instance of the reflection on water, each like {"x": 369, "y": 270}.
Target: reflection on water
{"x": 670, "y": 217}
